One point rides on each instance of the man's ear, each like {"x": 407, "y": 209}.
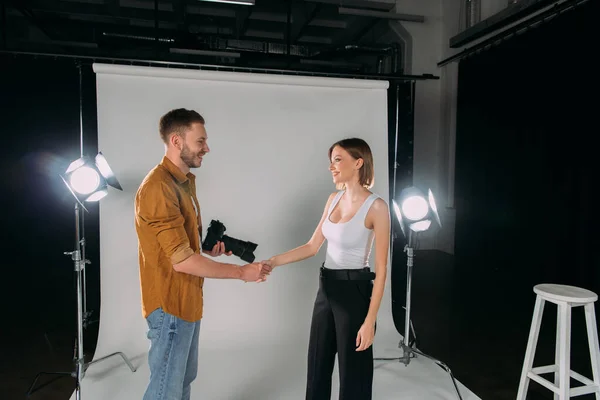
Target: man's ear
{"x": 175, "y": 141}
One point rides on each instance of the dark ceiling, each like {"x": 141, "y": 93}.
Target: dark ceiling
{"x": 319, "y": 35}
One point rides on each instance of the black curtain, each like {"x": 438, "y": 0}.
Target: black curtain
{"x": 526, "y": 159}
{"x": 39, "y": 110}
{"x": 526, "y": 187}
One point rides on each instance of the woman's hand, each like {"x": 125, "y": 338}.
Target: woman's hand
{"x": 266, "y": 268}
{"x": 364, "y": 338}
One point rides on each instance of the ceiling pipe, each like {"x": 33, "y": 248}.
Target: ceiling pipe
{"x": 473, "y": 12}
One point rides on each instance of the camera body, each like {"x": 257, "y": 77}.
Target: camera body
{"x": 240, "y": 248}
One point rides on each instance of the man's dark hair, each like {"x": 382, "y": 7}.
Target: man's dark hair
{"x": 178, "y": 121}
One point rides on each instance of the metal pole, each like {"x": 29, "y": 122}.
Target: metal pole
{"x": 229, "y": 68}
{"x": 289, "y": 30}
{"x": 409, "y": 267}
{"x": 85, "y": 261}
{"x": 80, "y": 110}
{"x": 76, "y": 256}
{"x": 395, "y": 157}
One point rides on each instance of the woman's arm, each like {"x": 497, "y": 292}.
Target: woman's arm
{"x": 381, "y": 228}
{"x": 307, "y": 250}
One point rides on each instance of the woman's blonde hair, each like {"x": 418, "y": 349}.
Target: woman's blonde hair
{"x": 358, "y": 149}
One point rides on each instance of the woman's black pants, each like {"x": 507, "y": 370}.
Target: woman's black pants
{"x": 339, "y": 311}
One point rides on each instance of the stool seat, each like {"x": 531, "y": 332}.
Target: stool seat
{"x": 565, "y": 293}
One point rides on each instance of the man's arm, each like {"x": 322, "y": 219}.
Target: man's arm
{"x": 201, "y": 266}
{"x": 157, "y": 207}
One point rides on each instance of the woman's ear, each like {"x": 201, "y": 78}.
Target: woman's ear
{"x": 359, "y": 163}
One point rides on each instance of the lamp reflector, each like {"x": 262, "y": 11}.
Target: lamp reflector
{"x": 106, "y": 171}
{"x": 398, "y": 215}
{"x": 76, "y": 164}
{"x": 100, "y": 194}
{"x": 434, "y": 208}
{"x": 85, "y": 180}
{"x": 415, "y": 208}
{"x": 420, "y": 226}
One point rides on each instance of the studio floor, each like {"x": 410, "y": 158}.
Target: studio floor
{"x": 470, "y": 327}
{"x": 274, "y": 373}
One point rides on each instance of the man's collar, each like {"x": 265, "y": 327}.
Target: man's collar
{"x": 178, "y": 174}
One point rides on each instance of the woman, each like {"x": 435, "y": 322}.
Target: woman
{"x": 347, "y": 301}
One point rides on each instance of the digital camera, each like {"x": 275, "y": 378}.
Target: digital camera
{"x": 240, "y": 248}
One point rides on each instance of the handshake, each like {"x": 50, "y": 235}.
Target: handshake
{"x": 256, "y": 272}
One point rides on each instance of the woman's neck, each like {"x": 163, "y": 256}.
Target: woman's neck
{"x": 354, "y": 191}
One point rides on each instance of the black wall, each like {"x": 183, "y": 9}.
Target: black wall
{"x": 39, "y": 110}
{"x": 527, "y": 161}
{"x": 526, "y": 186}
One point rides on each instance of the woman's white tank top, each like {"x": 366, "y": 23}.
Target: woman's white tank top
{"x": 348, "y": 243}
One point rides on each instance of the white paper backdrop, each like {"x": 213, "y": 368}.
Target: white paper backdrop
{"x": 266, "y": 178}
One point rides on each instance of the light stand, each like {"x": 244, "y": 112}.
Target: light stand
{"x": 87, "y": 180}
{"x": 419, "y": 216}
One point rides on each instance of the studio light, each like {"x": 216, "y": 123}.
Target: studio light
{"x": 416, "y": 213}
{"x": 89, "y": 180}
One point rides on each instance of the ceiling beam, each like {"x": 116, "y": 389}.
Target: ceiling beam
{"x": 34, "y": 19}
{"x": 241, "y": 21}
{"x": 126, "y": 15}
{"x": 373, "y": 35}
{"x": 180, "y": 14}
{"x": 366, "y": 4}
{"x": 303, "y": 17}
{"x": 381, "y": 14}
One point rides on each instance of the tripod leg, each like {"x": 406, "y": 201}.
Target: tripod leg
{"x": 31, "y": 390}
{"x": 444, "y": 366}
{"x": 119, "y": 353}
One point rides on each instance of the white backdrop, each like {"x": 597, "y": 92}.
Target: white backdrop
{"x": 266, "y": 178}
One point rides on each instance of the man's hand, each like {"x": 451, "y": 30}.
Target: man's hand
{"x": 266, "y": 268}
{"x": 218, "y": 250}
{"x": 253, "y": 273}
{"x": 365, "y": 335}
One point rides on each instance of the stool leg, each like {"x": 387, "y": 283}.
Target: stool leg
{"x": 557, "y": 353}
{"x": 564, "y": 368}
{"x": 592, "y": 331}
{"x": 534, "y": 332}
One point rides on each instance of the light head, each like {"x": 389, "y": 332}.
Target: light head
{"x": 416, "y": 212}
{"x": 88, "y": 180}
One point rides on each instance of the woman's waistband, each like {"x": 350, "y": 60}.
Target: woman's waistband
{"x": 358, "y": 274}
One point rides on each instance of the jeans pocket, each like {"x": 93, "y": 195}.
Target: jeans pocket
{"x": 155, "y": 323}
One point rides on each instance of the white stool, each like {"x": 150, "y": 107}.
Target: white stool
{"x": 565, "y": 297}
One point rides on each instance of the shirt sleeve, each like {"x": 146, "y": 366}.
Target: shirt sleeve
{"x": 158, "y": 210}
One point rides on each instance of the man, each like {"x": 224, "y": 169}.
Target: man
{"x": 172, "y": 268}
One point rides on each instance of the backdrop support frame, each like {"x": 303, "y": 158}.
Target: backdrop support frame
{"x": 225, "y": 68}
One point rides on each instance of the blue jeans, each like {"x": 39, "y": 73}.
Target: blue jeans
{"x": 173, "y": 356}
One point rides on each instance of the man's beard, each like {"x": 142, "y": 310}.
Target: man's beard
{"x": 190, "y": 159}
